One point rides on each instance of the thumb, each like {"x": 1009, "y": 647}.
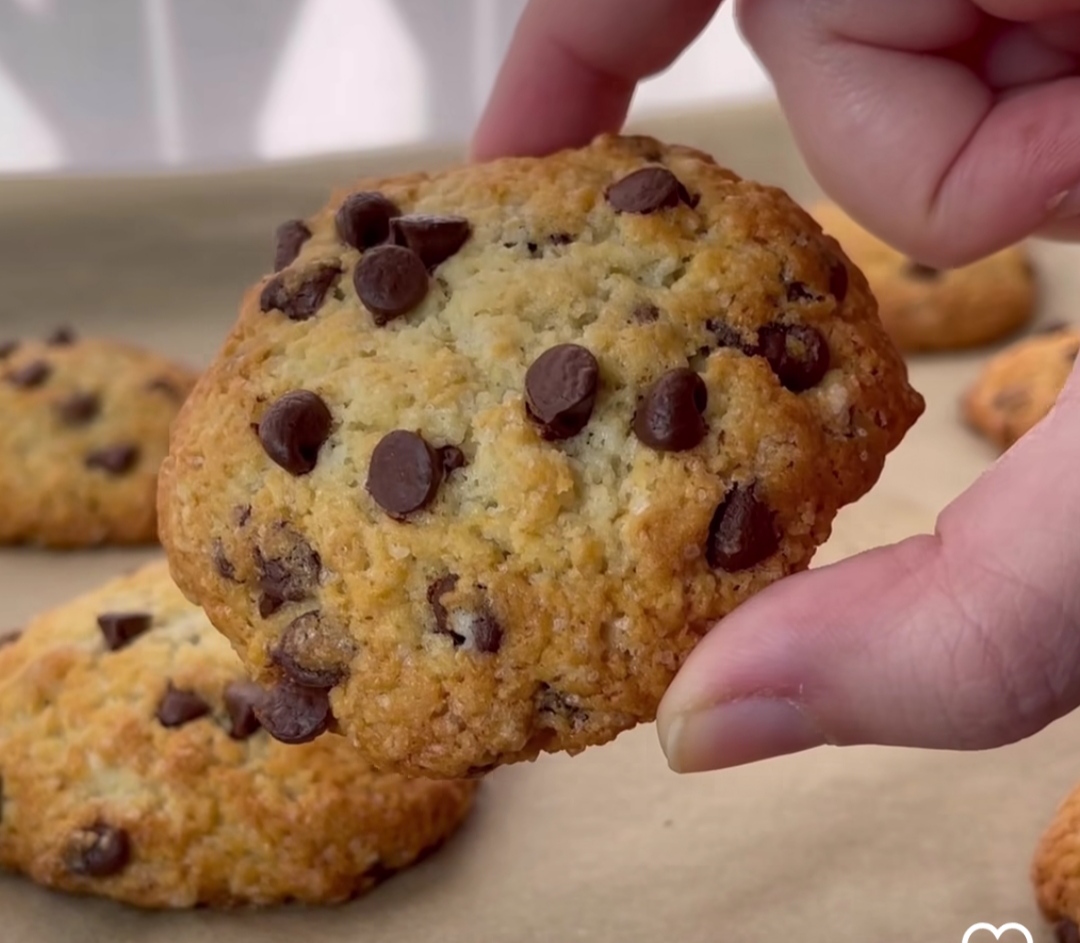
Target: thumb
{"x": 967, "y": 639}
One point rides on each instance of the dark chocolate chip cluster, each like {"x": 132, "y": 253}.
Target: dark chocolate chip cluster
{"x": 392, "y": 277}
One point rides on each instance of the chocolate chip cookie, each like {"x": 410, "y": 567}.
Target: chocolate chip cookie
{"x": 496, "y": 446}
{"x": 1020, "y": 385}
{"x": 1056, "y": 870}
{"x": 84, "y": 425}
{"x": 135, "y": 764}
{"x": 927, "y": 309}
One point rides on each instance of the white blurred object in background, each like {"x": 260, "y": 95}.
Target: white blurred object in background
{"x": 90, "y": 86}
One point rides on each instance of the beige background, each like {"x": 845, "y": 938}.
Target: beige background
{"x": 863, "y": 845}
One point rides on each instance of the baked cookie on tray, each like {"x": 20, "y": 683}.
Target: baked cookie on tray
{"x": 1020, "y": 385}
{"x": 135, "y": 764}
{"x": 496, "y": 446}
{"x": 84, "y": 425}
{"x": 1056, "y": 870}
{"x": 927, "y": 309}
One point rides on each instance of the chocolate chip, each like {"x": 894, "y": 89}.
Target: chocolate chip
{"x": 726, "y": 335}
{"x": 241, "y": 698}
{"x": 798, "y": 291}
{"x": 269, "y": 604}
{"x": 742, "y": 532}
{"x": 222, "y": 563}
{"x": 9, "y": 637}
{"x": 646, "y": 313}
{"x": 242, "y": 514}
{"x": 122, "y": 628}
{"x": 390, "y": 281}
{"x": 482, "y": 633}
{"x": 289, "y": 238}
{"x": 178, "y": 707}
{"x": 31, "y": 375}
{"x": 473, "y": 631}
{"x": 404, "y": 473}
{"x": 797, "y": 353}
{"x": 647, "y": 190}
{"x": 294, "y": 714}
{"x": 476, "y": 631}
{"x": 7, "y": 348}
{"x": 99, "y": 851}
{"x": 114, "y": 459}
{"x": 433, "y": 238}
{"x": 1066, "y": 931}
{"x": 78, "y": 409}
{"x": 310, "y": 656}
{"x": 922, "y": 273}
{"x": 839, "y": 281}
{"x": 452, "y": 458}
{"x": 305, "y": 299}
{"x": 669, "y": 418}
{"x": 364, "y": 218}
{"x": 560, "y": 390}
{"x": 293, "y": 429}
{"x": 61, "y": 337}
{"x": 562, "y": 705}
{"x": 435, "y": 593}
{"x": 561, "y": 239}
{"x": 289, "y": 577}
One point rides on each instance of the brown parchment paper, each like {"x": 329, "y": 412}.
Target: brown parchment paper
{"x": 863, "y": 844}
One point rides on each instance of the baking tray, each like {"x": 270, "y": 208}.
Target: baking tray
{"x": 859, "y": 844}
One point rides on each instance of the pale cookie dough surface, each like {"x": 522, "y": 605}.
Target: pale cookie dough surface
{"x": 926, "y": 309}
{"x": 1020, "y": 385}
{"x": 84, "y": 425}
{"x": 407, "y": 491}
{"x": 133, "y": 766}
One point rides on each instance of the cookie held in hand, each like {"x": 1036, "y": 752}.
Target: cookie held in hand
{"x": 136, "y": 764}
{"x": 84, "y": 425}
{"x": 496, "y": 446}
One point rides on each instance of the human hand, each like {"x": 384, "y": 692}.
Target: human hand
{"x": 951, "y": 128}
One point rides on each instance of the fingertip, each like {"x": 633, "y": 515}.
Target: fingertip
{"x": 737, "y": 733}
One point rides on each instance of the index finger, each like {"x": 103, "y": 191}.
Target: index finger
{"x": 572, "y": 68}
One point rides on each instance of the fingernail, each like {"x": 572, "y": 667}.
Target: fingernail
{"x": 1065, "y": 205}
{"x": 737, "y": 733}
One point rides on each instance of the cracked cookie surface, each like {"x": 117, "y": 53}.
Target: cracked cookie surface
{"x": 84, "y": 425}
{"x": 495, "y": 446}
{"x": 134, "y": 765}
{"x": 927, "y": 309}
